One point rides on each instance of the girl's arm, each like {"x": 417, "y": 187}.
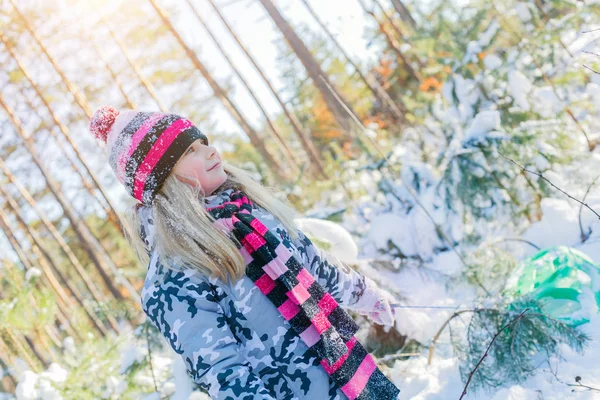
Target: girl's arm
{"x": 186, "y": 311}
{"x": 350, "y": 288}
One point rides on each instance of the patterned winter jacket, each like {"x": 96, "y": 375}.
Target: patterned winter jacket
{"x": 233, "y": 340}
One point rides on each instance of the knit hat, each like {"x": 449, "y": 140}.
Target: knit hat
{"x": 143, "y": 147}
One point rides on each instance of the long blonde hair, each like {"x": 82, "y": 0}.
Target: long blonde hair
{"x": 184, "y": 230}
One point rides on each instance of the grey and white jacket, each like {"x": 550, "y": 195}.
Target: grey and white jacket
{"x": 234, "y": 342}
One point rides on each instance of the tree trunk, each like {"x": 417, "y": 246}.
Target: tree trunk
{"x": 63, "y": 298}
{"x": 86, "y": 238}
{"x": 222, "y": 95}
{"x": 27, "y": 264}
{"x": 136, "y": 69}
{"x": 42, "y": 254}
{"x": 8, "y": 383}
{"x": 283, "y": 146}
{"x": 380, "y": 94}
{"x": 396, "y": 28}
{"x": 313, "y": 68}
{"x": 20, "y": 349}
{"x": 111, "y": 211}
{"x": 303, "y": 136}
{"x": 404, "y": 13}
{"x": 66, "y": 249}
{"x": 391, "y": 42}
{"x": 102, "y": 56}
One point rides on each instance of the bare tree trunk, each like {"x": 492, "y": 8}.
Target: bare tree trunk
{"x": 136, "y": 69}
{"x": 21, "y": 350}
{"x": 80, "y": 101}
{"x": 313, "y": 68}
{"x": 36, "y": 243}
{"x": 45, "y": 363}
{"x": 305, "y": 140}
{"x": 404, "y": 13}
{"x": 130, "y": 103}
{"x": 380, "y": 94}
{"x": 396, "y": 28}
{"x": 391, "y": 42}
{"x": 88, "y": 240}
{"x": 40, "y": 338}
{"x": 109, "y": 208}
{"x": 222, "y": 95}
{"x": 8, "y": 383}
{"x": 60, "y": 240}
{"x": 49, "y": 329}
{"x": 28, "y": 265}
{"x": 274, "y": 130}
{"x": 63, "y": 301}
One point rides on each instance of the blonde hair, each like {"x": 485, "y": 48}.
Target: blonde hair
{"x": 184, "y": 230}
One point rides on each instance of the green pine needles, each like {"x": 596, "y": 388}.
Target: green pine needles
{"x": 518, "y": 350}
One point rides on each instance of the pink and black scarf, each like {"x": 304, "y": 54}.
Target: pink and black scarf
{"x": 311, "y": 311}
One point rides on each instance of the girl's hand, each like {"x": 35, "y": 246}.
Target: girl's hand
{"x": 374, "y": 303}
{"x": 383, "y": 313}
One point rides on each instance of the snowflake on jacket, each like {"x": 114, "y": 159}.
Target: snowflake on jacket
{"x": 234, "y": 342}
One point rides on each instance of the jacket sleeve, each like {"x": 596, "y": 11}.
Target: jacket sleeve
{"x": 346, "y": 285}
{"x": 350, "y": 288}
{"x": 185, "y": 309}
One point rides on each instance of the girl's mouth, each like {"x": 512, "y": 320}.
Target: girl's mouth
{"x": 215, "y": 166}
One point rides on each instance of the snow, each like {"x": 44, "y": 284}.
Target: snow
{"x": 545, "y": 101}
{"x": 31, "y": 273}
{"x": 519, "y": 87}
{"x": 484, "y": 122}
{"x": 41, "y": 386}
{"x": 523, "y": 11}
{"x": 340, "y": 242}
{"x": 492, "y": 61}
{"x": 388, "y": 225}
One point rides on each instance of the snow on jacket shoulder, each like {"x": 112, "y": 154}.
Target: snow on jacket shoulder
{"x": 234, "y": 342}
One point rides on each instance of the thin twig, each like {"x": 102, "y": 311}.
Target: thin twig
{"x": 593, "y": 30}
{"x": 443, "y": 327}
{"x": 518, "y": 240}
{"x": 488, "y": 349}
{"x": 577, "y": 379}
{"x": 593, "y": 70}
{"x": 150, "y": 356}
{"x": 396, "y": 305}
{"x": 389, "y": 357}
{"x": 544, "y": 178}
{"x": 585, "y": 236}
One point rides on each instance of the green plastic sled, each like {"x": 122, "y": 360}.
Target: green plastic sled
{"x": 561, "y": 278}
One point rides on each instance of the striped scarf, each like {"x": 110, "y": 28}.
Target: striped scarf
{"x": 311, "y": 311}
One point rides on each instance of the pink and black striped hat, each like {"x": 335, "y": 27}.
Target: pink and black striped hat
{"x": 143, "y": 147}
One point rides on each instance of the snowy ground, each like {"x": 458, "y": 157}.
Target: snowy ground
{"x": 441, "y": 380}
{"x": 424, "y": 286}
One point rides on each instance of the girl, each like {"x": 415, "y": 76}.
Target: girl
{"x": 247, "y": 300}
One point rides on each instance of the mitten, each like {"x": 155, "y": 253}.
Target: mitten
{"x": 374, "y": 303}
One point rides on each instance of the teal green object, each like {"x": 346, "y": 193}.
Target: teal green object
{"x": 559, "y": 278}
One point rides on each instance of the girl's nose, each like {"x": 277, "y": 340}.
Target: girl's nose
{"x": 211, "y": 152}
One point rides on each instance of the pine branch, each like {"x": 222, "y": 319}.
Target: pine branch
{"x": 443, "y": 327}
{"x": 488, "y": 349}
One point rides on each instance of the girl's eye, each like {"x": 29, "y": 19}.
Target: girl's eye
{"x": 189, "y": 150}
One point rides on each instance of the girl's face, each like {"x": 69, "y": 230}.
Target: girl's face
{"x": 200, "y": 166}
